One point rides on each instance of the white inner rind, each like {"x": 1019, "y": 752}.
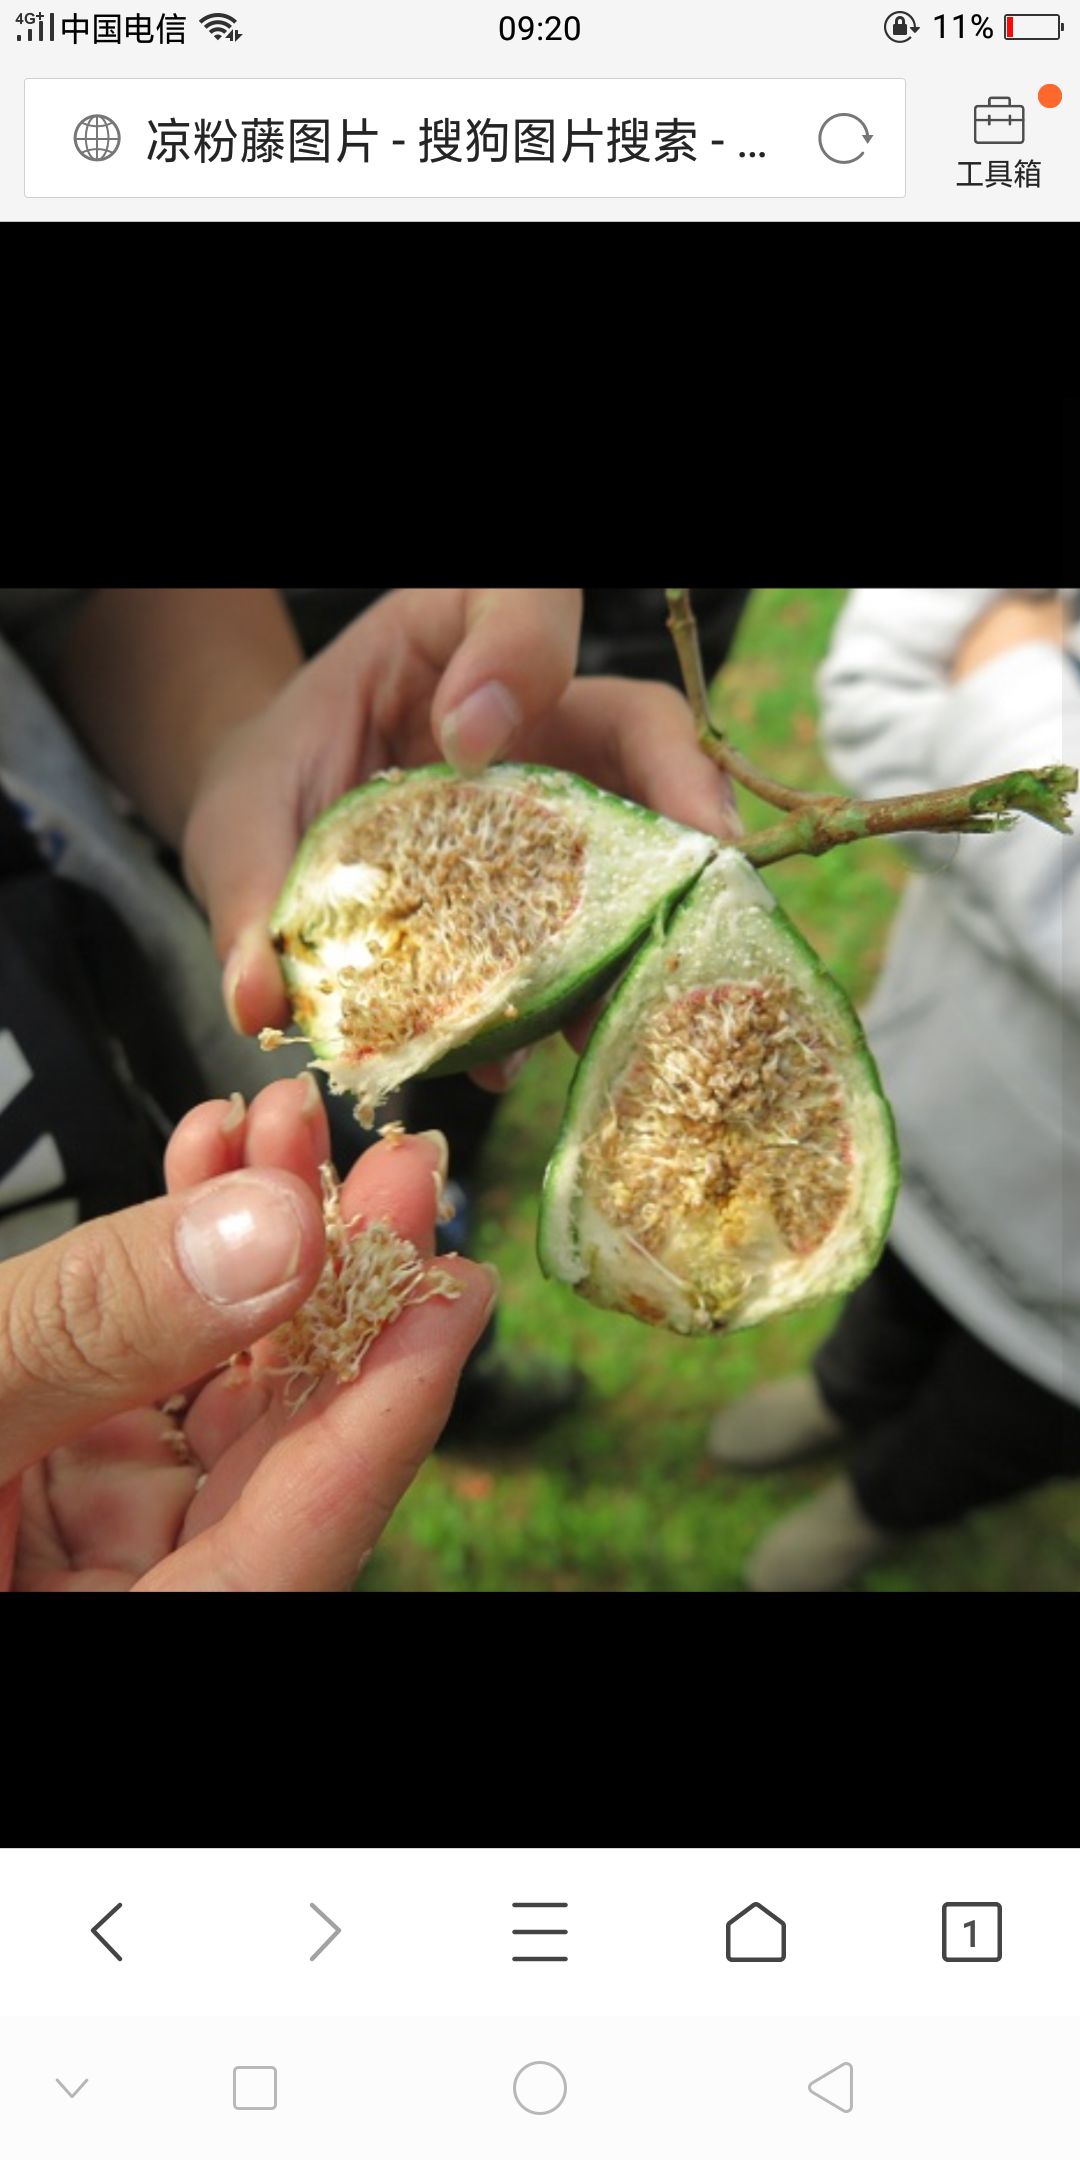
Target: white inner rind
{"x": 632, "y": 864}
{"x": 722, "y": 934}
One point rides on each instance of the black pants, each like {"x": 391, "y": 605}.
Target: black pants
{"x": 943, "y": 1424}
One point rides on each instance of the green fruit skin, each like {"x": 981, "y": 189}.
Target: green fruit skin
{"x": 665, "y": 923}
{"x": 562, "y": 1004}
{"x": 549, "y": 1012}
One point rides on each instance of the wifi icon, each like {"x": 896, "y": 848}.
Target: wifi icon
{"x": 220, "y": 26}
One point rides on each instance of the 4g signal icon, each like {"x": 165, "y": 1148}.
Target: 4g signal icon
{"x": 221, "y": 26}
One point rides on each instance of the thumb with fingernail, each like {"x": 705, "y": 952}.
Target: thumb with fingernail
{"x": 480, "y": 729}
{"x": 132, "y": 1307}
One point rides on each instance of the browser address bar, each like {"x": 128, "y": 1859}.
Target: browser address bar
{"x": 314, "y": 138}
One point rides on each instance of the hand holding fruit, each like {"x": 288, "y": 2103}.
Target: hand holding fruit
{"x": 468, "y": 675}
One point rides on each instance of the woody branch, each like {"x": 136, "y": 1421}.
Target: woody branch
{"x": 820, "y": 822}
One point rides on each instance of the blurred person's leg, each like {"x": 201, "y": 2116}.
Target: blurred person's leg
{"x": 882, "y": 1347}
{"x": 866, "y": 1370}
{"x": 975, "y": 1433}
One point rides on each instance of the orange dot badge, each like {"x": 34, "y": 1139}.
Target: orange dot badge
{"x": 1049, "y": 94}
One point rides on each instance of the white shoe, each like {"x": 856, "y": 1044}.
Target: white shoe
{"x": 823, "y": 1546}
{"x": 772, "y": 1425}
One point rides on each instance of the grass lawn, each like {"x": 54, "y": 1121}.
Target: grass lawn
{"x": 616, "y": 1496}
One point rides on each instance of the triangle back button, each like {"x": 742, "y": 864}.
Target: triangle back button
{"x": 836, "y": 2087}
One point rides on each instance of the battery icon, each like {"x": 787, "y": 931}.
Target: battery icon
{"x": 1033, "y": 26}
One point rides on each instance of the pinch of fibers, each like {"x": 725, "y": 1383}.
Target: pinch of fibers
{"x": 369, "y": 1276}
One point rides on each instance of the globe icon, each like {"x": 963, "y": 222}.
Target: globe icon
{"x": 97, "y": 137}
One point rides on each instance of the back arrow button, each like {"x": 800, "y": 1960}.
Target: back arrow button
{"x": 96, "y": 1930}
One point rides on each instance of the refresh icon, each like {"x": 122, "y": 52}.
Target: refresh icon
{"x": 834, "y": 156}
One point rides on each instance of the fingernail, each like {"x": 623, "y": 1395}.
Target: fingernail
{"x": 495, "y": 1279}
{"x": 240, "y": 1239}
{"x": 439, "y": 1142}
{"x": 247, "y": 943}
{"x": 312, "y": 1096}
{"x": 480, "y": 728}
{"x": 235, "y": 1114}
{"x": 234, "y": 968}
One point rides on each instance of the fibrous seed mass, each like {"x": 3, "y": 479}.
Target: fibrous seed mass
{"x": 368, "y": 1278}
{"x": 728, "y": 1133}
{"x": 471, "y": 883}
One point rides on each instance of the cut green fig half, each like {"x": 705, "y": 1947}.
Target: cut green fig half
{"x": 434, "y": 922}
{"x": 727, "y": 1153}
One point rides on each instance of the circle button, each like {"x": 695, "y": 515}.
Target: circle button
{"x": 540, "y": 2088}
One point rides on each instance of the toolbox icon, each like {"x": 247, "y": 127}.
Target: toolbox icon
{"x": 999, "y": 121}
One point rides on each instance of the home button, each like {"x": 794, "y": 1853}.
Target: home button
{"x": 756, "y": 1936}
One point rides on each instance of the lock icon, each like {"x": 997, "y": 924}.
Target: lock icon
{"x": 900, "y": 27}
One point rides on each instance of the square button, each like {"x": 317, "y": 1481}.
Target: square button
{"x": 254, "y": 2086}
{"x": 971, "y": 1934}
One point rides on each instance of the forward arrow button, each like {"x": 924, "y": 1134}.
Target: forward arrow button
{"x": 332, "y": 1925}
